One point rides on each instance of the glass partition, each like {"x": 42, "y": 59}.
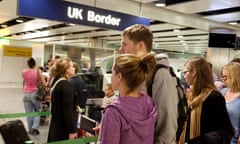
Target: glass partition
{"x": 94, "y": 63}
{"x": 89, "y": 59}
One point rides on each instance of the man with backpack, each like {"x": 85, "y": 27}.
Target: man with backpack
{"x": 164, "y": 93}
{"x": 137, "y": 39}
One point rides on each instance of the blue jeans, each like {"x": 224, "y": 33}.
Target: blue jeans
{"x": 32, "y": 105}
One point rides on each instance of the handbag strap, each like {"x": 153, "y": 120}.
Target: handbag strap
{"x": 38, "y": 77}
{"x": 53, "y": 87}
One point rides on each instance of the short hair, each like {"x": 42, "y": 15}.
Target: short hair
{"x": 236, "y": 60}
{"x": 109, "y": 86}
{"x": 134, "y": 69}
{"x": 76, "y": 67}
{"x": 57, "y": 57}
{"x": 203, "y": 78}
{"x": 161, "y": 56}
{"x": 31, "y": 62}
{"x": 41, "y": 68}
{"x": 60, "y": 67}
{"x": 138, "y": 33}
{"x": 233, "y": 79}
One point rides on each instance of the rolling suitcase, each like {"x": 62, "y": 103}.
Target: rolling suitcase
{"x": 14, "y": 132}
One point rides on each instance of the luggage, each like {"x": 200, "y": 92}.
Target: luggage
{"x": 14, "y": 132}
{"x": 45, "y": 107}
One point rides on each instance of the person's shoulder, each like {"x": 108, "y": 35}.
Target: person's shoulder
{"x": 223, "y": 90}
{"x": 112, "y": 109}
{"x": 61, "y": 81}
{"x": 215, "y": 95}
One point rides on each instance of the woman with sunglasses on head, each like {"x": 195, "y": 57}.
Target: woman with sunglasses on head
{"x": 232, "y": 96}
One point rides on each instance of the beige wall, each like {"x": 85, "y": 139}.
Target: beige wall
{"x": 219, "y": 57}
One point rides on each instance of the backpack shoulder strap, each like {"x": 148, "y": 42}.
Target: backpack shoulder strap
{"x": 150, "y": 82}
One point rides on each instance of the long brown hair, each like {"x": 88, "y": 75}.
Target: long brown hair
{"x": 204, "y": 76}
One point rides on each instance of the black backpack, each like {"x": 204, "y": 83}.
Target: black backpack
{"x": 182, "y": 104}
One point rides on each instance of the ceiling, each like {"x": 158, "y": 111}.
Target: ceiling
{"x": 180, "y": 27}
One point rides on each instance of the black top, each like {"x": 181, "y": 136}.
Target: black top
{"x": 80, "y": 90}
{"x": 214, "y": 116}
{"x": 64, "y": 115}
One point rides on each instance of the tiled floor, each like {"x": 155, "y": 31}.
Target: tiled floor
{"x": 11, "y": 102}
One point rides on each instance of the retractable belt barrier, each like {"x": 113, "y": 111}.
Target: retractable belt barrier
{"x": 15, "y": 115}
{"x": 77, "y": 141}
{"x": 83, "y": 140}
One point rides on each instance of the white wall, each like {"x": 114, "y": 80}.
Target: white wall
{"x": 11, "y": 67}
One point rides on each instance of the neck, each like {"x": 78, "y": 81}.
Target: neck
{"x": 230, "y": 95}
{"x": 135, "y": 94}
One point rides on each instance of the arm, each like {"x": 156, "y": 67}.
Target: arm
{"x": 69, "y": 107}
{"x": 72, "y": 136}
{"x": 165, "y": 96}
{"x": 110, "y": 127}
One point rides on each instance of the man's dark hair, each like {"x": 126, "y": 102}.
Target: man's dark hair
{"x": 75, "y": 65}
{"x": 237, "y": 60}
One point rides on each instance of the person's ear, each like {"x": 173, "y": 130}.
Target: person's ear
{"x": 119, "y": 76}
{"x": 194, "y": 72}
{"x": 141, "y": 47}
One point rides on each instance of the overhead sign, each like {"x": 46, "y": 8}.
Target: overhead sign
{"x": 64, "y": 11}
{"x": 17, "y": 51}
{"x": 4, "y": 41}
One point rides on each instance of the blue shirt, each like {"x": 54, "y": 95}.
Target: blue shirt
{"x": 233, "y": 108}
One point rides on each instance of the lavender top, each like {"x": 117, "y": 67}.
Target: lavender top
{"x": 129, "y": 120}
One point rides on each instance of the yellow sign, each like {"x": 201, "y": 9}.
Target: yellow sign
{"x": 17, "y": 51}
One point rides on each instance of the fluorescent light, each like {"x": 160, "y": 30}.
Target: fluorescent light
{"x": 71, "y": 24}
{"x": 180, "y": 36}
{"x": 176, "y": 30}
{"x": 19, "y": 21}
{"x": 233, "y": 23}
{"x": 160, "y": 4}
{"x": 4, "y": 25}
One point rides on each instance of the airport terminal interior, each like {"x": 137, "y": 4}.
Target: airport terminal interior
{"x": 89, "y": 32}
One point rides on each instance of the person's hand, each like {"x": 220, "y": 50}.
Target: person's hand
{"x": 78, "y": 109}
{"x": 72, "y": 136}
{"x": 97, "y": 129}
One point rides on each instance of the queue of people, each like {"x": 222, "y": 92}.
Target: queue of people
{"x": 137, "y": 116}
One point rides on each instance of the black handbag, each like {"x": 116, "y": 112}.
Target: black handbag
{"x": 14, "y": 132}
{"x": 215, "y": 137}
{"x": 41, "y": 91}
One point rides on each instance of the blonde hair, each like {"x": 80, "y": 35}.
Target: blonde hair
{"x": 204, "y": 76}
{"x": 60, "y": 67}
{"x": 134, "y": 69}
{"x": 233, "y": 78}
